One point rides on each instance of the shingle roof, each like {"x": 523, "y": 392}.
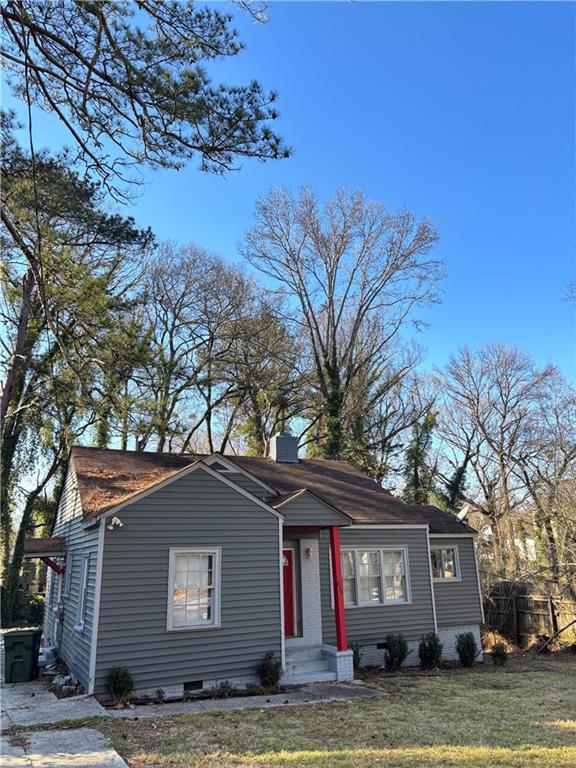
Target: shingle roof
{"x": 108, "y": 477}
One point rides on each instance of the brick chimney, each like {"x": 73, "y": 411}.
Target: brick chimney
{"x": 284, "y": 448}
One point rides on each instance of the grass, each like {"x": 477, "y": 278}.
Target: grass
{"x": 522, "y": 715}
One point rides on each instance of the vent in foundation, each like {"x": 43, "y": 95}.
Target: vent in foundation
{"x": 194, "y": 685}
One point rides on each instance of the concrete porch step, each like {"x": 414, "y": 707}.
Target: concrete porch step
{"x": 306, "y": 665}
{"x": 316, "y": 665}
{"x": 308, "y": 677}
{"x": 305, "y": 653}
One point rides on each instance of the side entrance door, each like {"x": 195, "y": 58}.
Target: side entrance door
{"x": 288, "y": 582}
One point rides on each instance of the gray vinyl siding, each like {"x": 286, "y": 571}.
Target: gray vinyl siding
{"x": 306, "y": 510}
{"x": 197, "y": 510}
{"x": 248, "y": 485}
{"x": 458, "y": 603}
{"x": 370, "y": 625}
{"x": 74, "y": 645}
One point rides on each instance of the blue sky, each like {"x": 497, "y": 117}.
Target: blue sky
{"x": 464, "y": 112}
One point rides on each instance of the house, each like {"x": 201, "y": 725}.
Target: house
{"x": 188, "y": 569}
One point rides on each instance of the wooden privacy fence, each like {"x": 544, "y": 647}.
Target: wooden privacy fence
{"x": 521, "y": 611}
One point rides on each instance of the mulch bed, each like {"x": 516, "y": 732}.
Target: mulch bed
{"x": 368, "y": 674}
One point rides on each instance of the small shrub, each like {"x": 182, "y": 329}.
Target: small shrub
{"x": 269, "y": 670}
{"x": 430, "y": 651}
{"x": 356, "y": 649}
{"x": 467, "y": 648}
{"x": 489, "y": 639}
{"x": 160, "y": 694}
{"x": 253, "y": 689}
{"x": 191, "y": 695}
{"x": 224, "y": 690}
{"x": 120, "y": 683}
{"x": 499, "y": 654}
{"x": 395, "y": 652}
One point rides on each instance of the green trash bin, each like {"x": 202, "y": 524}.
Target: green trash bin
{"x": 21, "y": 649}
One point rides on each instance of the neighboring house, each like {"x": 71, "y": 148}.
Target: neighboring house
{"x": 188, "y": 569}
{"x": 521, "y": 533}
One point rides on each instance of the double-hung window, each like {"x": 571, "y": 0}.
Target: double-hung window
{"x": 55, "y": 591}
{"x": 369, "y": 578}
{"x": 445, "y": 566}
{"x": 374, "y": 577}
{"x": 194, "y": 589}
{"x": 348, "y": 577}
{"x": 394, "y": 576}
{"x": 68, "y": 565}
{"x": 83, "y": 594}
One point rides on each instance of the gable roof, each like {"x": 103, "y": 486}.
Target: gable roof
{"x": 109, "y": 477}
{"x": 219, "y": 460}
{"x": 287, "y": 498}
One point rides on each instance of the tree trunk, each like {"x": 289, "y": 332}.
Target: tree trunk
{"x": 11, "y": 433}
{"x": 10, "y": 422}
{"x": 254, "y": 428}
{"x": 13, "y": 572}
{"x": 333, "y": 445}
{"x": 18, "y": 357}
{"x": 6, "y": 459}
{"x": 552, "y": 548}
{"x": 125, "y": 419}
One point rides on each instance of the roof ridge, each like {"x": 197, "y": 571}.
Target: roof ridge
{"x": 141, "y": 453}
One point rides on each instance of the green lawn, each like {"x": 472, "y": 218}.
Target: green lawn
{"x": 524, "y": 715}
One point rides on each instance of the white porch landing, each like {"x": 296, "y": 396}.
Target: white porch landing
{"x": 317, "y": 664}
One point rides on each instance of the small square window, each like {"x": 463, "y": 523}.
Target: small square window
{"x": 444, "y": 562}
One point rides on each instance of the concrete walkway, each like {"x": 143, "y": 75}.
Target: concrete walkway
{"x": 30, "y": 704}
{"x": 26, "y": 704}
{"x": 79, "y": 748}
{"x": 314, "y": 693}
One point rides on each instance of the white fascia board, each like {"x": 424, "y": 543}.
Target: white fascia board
{"x": 478, "y": 583}
{"x": 305, "y": 491}
{"x": 232, "y": 467}
{"x": 432, "y": 585}
{"x": 360, "y": 527}
{"x": 281, "y": 585}
{"x": 96, "y": 608}
{"x": 295, "y": 495}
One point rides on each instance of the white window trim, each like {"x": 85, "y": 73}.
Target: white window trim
{"x": 216, "y": 552}
{"x": 67, "y": 578}
{"x": 82, "y": 594}
{"x": 55, "y": 590}
{"x": 383, "y": 603}
{"x": 447, "y": 579}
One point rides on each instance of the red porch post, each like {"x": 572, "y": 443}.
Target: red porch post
{"x": 339, "y": 615}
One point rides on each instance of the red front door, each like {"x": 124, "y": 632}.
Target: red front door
{"x": 288, "y": 580}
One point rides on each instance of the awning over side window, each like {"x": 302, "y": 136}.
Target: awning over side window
{"x": 50, "y": 546}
